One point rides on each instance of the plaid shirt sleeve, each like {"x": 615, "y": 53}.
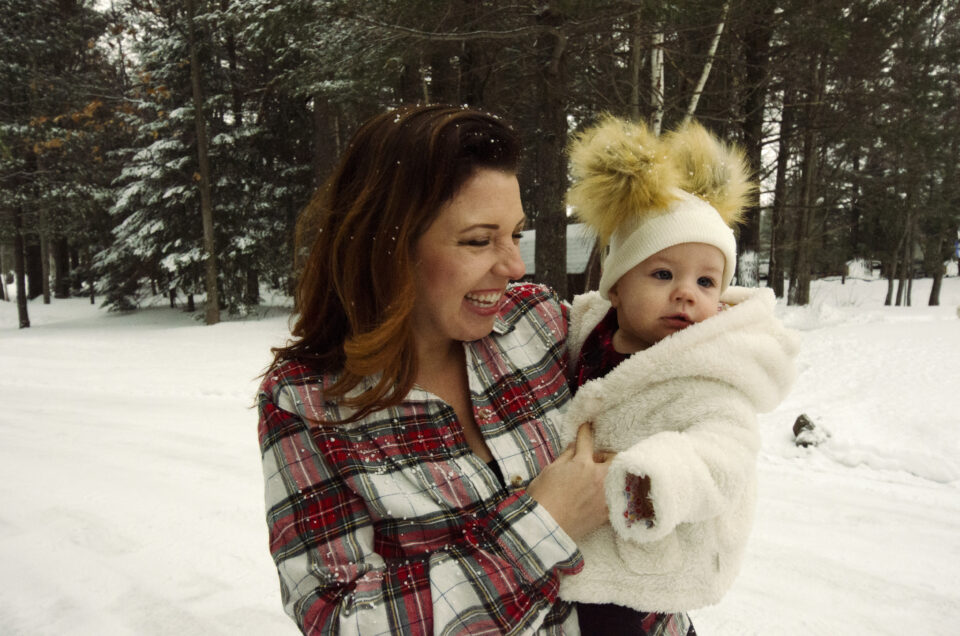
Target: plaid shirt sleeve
{"x": 393, "y": 526}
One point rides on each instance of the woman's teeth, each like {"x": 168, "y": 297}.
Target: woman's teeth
{"x": 484, "y": 300}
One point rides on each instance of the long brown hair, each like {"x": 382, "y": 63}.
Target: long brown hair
{"x": 355, "y": 295}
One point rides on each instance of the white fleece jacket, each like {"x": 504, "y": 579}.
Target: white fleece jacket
{"x": 683, "y": 413}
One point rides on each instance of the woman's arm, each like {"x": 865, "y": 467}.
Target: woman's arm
{"x": 499, "y": 574}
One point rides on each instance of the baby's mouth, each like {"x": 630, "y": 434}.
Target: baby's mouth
{"x": 678, "y": 320}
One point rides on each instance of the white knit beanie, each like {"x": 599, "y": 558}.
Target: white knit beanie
{"x": 640, "y": 193}
{"x": 687, "y": 219}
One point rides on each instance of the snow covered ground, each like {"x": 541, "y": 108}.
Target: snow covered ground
{"x": 131, "y": 496}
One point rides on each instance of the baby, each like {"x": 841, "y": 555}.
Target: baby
{"x": 671, "y": 365}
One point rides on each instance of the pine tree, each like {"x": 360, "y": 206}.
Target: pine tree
{"x": 55, "y": 125}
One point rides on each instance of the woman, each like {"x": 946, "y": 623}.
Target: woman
{"x": 414, "y": 482}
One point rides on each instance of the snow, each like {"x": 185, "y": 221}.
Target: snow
{"x": 132, "y": 496}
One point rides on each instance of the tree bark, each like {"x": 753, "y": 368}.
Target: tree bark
{"x": 551, "y": 220}
{"x": 656, "y": 81}
{"x": 889, "y": 274}
{"x": 893, "y": 274}
{"x": 251, "y": 294}
{"x": 326, "y": 140}
{"x": 235, "y": 91}
{"x": 61, "y": 268}
{"x": 705, "y": 73}
{"x": 636, "y": 63}
{"x": 475, "y": 71}
{"x": 206, "y": 206}
{"x": 756, "y": 44}
{"x": 4, "y": 294}
{"x": 19, "y": 268}
{"x": 34, "y": 267}
{"x": 777, "y": 214}
{"x": 409, "y": 85}
{"x": 934, "y": 299}
{"x": 88, "y": 266}
{"x": 44, "y": 257}
{"x": 801, "y": 269}
{"x": 444, "y": 78}
{"x": 906, "y": 269}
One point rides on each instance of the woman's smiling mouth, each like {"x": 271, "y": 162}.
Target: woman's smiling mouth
{"x": 485, "y": 300}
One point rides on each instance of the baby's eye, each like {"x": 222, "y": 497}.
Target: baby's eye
{"x": 706, "y": 281}
{"x": 663, "y": 274}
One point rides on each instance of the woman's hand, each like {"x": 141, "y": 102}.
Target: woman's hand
{"x": 571, "y": 488}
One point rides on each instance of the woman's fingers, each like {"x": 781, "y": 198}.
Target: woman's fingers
{"x": 584, "y": 443}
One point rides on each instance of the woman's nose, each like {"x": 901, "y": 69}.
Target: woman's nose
{"x": 510, "y": 264}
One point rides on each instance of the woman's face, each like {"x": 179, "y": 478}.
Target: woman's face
{"x": 465, "y": 259}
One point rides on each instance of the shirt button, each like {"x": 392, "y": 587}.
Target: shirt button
{"x": 516, "y": 480}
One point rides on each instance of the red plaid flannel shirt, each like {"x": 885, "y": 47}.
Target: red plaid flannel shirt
{"x": 392, "y": 525}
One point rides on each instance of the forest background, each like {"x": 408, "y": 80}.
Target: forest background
{"x": 166, "y": 147}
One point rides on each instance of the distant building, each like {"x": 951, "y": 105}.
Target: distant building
{"x": 579, "y": 247}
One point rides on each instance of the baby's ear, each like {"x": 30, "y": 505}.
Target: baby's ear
{"x": 613, "y": 296}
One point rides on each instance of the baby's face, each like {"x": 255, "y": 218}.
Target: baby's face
{"x": 667, "y": 292}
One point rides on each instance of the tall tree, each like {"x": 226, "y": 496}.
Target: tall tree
{"x": 203, "y": 161}
{"x": 52, "y": 122}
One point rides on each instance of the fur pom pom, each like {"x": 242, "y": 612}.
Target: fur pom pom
{"x": 712, "y": 170}
{"x": 620, "y": 170}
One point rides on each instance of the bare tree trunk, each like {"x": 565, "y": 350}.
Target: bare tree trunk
{"x": 251, "y": 293}
{"x": 444, "y": 76}
{"x": 206, "y": 206}
{"x": 800, "y": 271}
{"x": 656, "y": 81}
{"x": 891, "y": 275}
{"x": 934, "y": 299}
{"x": 44, "y": 256}
{"x": 705, "y": 73}
{"x": 800, "y": 268}
{"x": 90, "y": 279}
{"x": 61, "y": 268}
{"x": 756, "y": 43}
{"x": 326, "y": 139}
{"x": 904, "y": 255}
{"x": 20, "y": 268}
{"x": 34, "y": 268}
{"x": 476, "y": 69}
{"x": 777, "y": 214}
{"x": 551, "y": 221}
{"x": 235, "y": 91}
{"x": 424, "y": 85}
{"x": 636, "y": 62}
{"x": 911, "y": 259}
{"x": 4, "y": 294}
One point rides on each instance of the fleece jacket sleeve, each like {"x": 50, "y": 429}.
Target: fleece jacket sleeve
{"x": 695, "y": 473}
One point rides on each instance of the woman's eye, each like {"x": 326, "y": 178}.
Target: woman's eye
{"x": 476, "y": 242}
{"x": 705, "y": 281}
{"x": 662, "y": 274}
{"x": 517, "y": 236}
